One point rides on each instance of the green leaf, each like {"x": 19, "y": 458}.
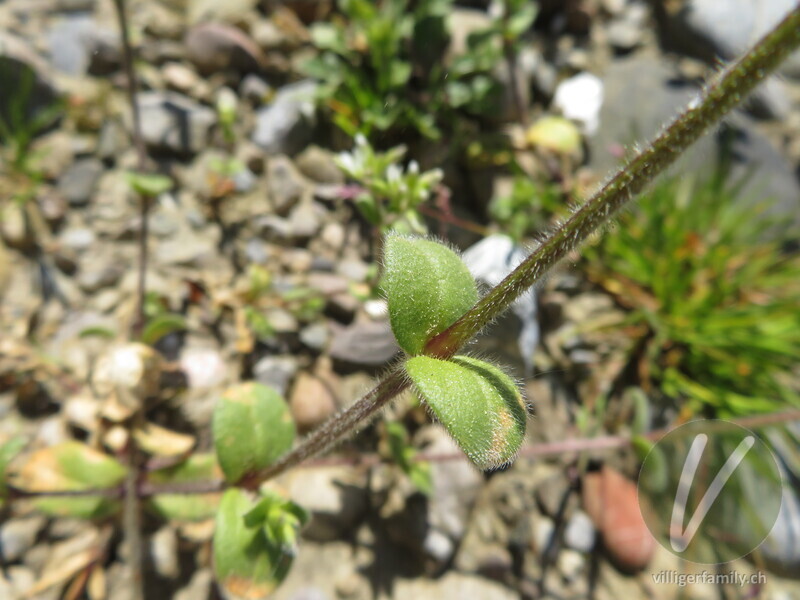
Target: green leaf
{"x": 399, "y": 73}
{"x": 427, "y": 286}
{"x": 280, "y": 519}
{"x": 252, "y": 428}
{"x": 521, "y": 19}
{"x": 8, "y": 450}
{"x": 479, "y": 405}
{"x": 162, "y": 325}
{"x": 186, "y": 507}
{"x": 147, "y": 184}
{"x": 246, "y": 564}
{"x": 98, "y": 331}
{"x": 653, "y": 477}
{"x": 67, "y": 467}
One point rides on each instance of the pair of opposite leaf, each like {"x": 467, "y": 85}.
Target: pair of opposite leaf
{"x": 428, "y": 288}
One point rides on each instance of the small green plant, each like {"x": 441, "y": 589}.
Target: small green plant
{"x": 714, "y": 297}
{"x": 383, "y": 65}
{"x": 528, "y": 208}
{"x": 366, "y": 68}
{"x": 390, "y": 195}
{"x": 434, "y": 311}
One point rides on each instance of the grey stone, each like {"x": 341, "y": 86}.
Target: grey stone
{"x": 363, "y": 343}
{"x": 214, "y": 47}
{"x": 164, "y": 552}
{"x": 112, "y": 140}
{"x": 353, "y": 269}
{"x": 276, "y": 371}
{"x": 452, "y": 586}
{"x": 256, "y": 251}
{"x": 214, "y": 10}
{"x": 284, "y": 127}
{"x": 94, "y": 277}
{"x": 78, "y": 239}
{"x": 336, "y": 497}
{"x": 711, "y": 30}
{"x": 19, "y": 535}
{"x": 273, "y": 228}
{"x": 305, "y": 220}
{"x": 315, "y": 336}
{"x": 79, "y": 181}
{"x": 68, "y": 39}
{"x": 254, "y": 89}
{"x": 318, "y": 165}
{"x": 284, "y": 184}
{"x": 652, "y": 87}
{"x": 244, "y": 180}
{"x": 174, "y": 123}
{"x": 186, "y": 249}
{"x": 78, "y": 45}
{"x": 625, "y": 32}
{"x": 579, "y": 534}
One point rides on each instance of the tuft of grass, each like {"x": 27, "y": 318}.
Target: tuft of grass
{"x": 714, "y": 296}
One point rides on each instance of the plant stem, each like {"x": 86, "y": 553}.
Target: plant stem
{"x": 337, "y": 427}
{"x": 132, "y": 517}
{"x": 573, "y": 445}
{"x": 718, "y": 98}
{"x": 141, "y": 156}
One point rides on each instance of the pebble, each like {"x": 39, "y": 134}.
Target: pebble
{"x": 336, "y": 497}
{"x": 164, "y": 551}
{"x": 315, "y": 336}
{"x": 284, "y": 126}
{"x": 77, "y": 239}
{"x": 311, "y": 402}
{"x": 305, "y": 220}
{"x": 363, "y": 343}
{"x": 79, "y": 181}
{"x": 580, "y": 98}
{"x": 179, "y": 77}
{"x": 214, "y": 10}
{"x": 285, "y": 185}
{"x": 174, "y": 122}
{"x": 204, "y": 367}
{"x": 214, "y": 47}
{"x": 318, "y": 165}
{"x": 333, "y": 235}
{"x": 254, "y": 89}
{"x": 17, "y": 536}
{"x": 276, "y": 371}
{"x": 579, "y": 534}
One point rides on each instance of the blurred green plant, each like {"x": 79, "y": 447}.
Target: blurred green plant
{"x": 389, "y": 195}
{"x": 714, "y": 297}
{"x": 20, "y": 166}
{"x": 403, "y": 454}
{"x": 528, "y": 208}
{"x": 383, "y": 65}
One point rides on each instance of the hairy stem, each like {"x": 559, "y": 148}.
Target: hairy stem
{"x": 567, "y": 446}
{"x": 337, "y": 427}
{"x": 718, "y": 98}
